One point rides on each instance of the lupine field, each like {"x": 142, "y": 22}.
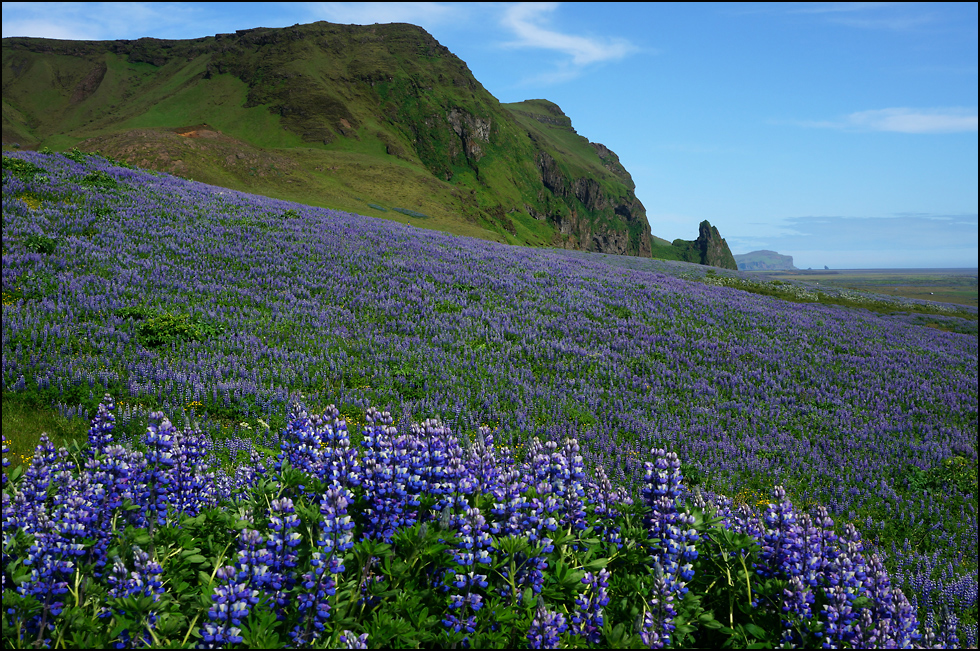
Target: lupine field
{"x": 398, "y": 437}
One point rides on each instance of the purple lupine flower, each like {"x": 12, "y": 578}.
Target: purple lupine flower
{"x": 481, "y": 461}
{"x": 588, "y": 620}
{"x": 404, "y": 455}
{"x": 51, "y": 570}
{"x": 249, "y": 474}
{"x": 510, "y": 503}
{"x": 187, "y": 473}
{"x": 675, "y": 551}
{"x": 601, "y": 494}
{"x": 472, "y": 550}
{"x": 100, "y": 434}
{"x": 573, "y": 504}
{"x": 326, "y": 562}
{"x": 890, "y": 609}
{"x": 657, "y": 623}
{"x": 283, "y": 539}
{"x": 782, "y": 543}
{"x": 443, "y": 465}
{"x": 160, "y": 435}
{"x": 301, "y": 446}
{"x": 82, "y": 523}
{"x": 336, "y": 535}
{"x": 6, "y": 464}
{"x": 144, "y": 580}
{"x": 62, "y": 477}
{"x": 474, "y": 543}
{"x": 352, "y": 641}
{"x": 37, "y": 478}
{"x": 232, "y": 602}
{"x": 384, "y": 489}
{"x": 546, "y": 628}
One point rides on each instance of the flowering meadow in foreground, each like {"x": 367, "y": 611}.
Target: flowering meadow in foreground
{"x": 188, "y": 298}
{"x": 410, "y": 540}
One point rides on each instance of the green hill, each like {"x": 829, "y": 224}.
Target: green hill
{"x": 380, "y": 120}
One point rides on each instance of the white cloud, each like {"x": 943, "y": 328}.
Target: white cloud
{"x": 369, "y": 13}
{"x": 897, "y": 16}
{"x": 94, "y": 21}
{"x": 841, "y": 7}
{"x": 904, "y": 120}
{"x": 526, "y": 22}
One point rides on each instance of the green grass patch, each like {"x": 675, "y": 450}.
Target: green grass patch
{"x": 24, "y": 422}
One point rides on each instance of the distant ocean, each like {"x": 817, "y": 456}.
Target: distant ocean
{"x": 953, "y": 271}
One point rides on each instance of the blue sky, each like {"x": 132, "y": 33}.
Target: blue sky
{"x": 843, "y": 134}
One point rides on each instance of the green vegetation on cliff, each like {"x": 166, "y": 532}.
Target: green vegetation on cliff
{"x": 380, "y": 120}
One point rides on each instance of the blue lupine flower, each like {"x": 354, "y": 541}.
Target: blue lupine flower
{"x": 282, "y": 559}
{"x": 232, "y": 602}
{"x": 351, "y": 641}
{"x": 662, "y": 491}
{"x": 587, "y": 620}
{"x": 6, "y": 464}
{"x": 160, "y": 435}
{"x": 546, "y": 628}
{"x": 100, "y": 434}
{"x": 657, "y": 623}
{"x": 187, "y": 473}
{"x": 144, "y": 580}
{"x": 326, "y": 562}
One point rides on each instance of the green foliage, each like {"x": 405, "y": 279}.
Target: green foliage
{"x": 40, "y": 243}
{"x": 163, "y": 329}
{"x": 579, "y": 414}
{"x": 32, "y": 285}
{"x": 447, "y": 307}
{"x": 957, "y": 472}
{"x": 23, "y": 170}
{"x": 135, "y": 312}
{"x": 619, "y": 311}
{"x": 99, "y": 180}
{"x": 75, "y": 155}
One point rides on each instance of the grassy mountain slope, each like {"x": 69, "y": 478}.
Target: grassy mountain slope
{"x": 371, "y": 119}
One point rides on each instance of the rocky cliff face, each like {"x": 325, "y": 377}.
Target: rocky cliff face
{"x": 590, "y": 197}
{"x": 709, "y": 249}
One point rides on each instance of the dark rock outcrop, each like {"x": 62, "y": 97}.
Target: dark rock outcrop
{"x": 709, "y": 249}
